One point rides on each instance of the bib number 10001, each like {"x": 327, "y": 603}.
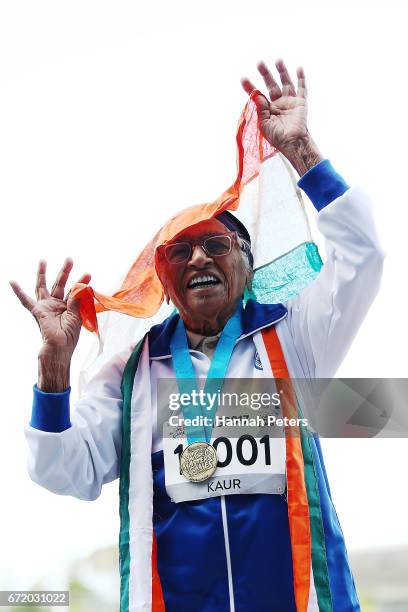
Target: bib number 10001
{"x": 247, "y": 450}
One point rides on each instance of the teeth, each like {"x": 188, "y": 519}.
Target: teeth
{"x": 201, "y": 279}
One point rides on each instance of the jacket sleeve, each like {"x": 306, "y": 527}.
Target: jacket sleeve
{"x": 76, "y": 456}
{"x": 326, "y": 316}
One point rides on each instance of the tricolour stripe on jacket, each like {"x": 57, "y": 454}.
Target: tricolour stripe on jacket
{"x": 124, "y": 552}
{"x": 128, "y": 574}
{"x": 298, "y": 508}
{"x": 342, "y": 586}
{"x": 331, "y": 574}
{"x": 319, "y": 558}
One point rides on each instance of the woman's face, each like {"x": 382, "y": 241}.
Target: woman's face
{"x": 224, "y": 278}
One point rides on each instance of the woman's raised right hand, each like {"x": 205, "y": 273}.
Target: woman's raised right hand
{"x": 58, "y": 318}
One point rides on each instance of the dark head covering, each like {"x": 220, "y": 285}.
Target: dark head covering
{"x": 233, "y": 224}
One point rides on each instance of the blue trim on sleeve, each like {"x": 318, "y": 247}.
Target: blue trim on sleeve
{"x": 50, "y": 411}
{"x": 322, "y": 184}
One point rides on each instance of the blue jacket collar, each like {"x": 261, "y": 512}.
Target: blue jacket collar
{"x": 256, "y": 316}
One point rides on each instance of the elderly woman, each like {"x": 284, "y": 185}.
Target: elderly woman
{"x": 274, "y": 546}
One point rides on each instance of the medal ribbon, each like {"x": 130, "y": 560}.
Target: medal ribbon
{"x": 186, "y": 379}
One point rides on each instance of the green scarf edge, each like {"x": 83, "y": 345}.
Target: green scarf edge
{"x": 319, "y": 556}
{"x": 124, "y": 550}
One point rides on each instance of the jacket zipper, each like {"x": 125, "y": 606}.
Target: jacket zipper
{"x": 227, "y": 553}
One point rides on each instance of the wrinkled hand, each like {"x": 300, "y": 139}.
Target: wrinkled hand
{"x": 283, "y": 118}
{"x": 58, "y": 318}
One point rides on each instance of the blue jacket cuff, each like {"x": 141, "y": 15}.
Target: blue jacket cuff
{"x": 50, "y": 411}
{"x": 322, "y": 184}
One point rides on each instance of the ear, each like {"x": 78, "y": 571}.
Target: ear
{"x": 165, "y": 290}
{"x": 166, "y": 293}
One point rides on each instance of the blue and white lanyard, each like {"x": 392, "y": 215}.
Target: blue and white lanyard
{"x": 186, "y": 379}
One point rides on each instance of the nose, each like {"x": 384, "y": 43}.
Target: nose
{"x": 199, "y": 257}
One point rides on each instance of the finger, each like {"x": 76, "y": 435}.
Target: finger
{"x": 263, "y": 106}
{"x": 26, "y": 301}
{"x": 272, "y": 86}
{"x": 85, "y": 278}
{"x": 261, "y": 102}
{"x": 41, "y": 290}
{"x": 58, "y": 287}
{"x": 247, "y": 85}
{"x": 301, "y": 88}
{"x": 288, "y": 88}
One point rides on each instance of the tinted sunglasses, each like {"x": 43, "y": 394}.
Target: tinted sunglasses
{"x": 213, "y": 246}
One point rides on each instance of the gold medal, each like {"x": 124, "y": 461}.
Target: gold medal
{"x": 198, "y": 461}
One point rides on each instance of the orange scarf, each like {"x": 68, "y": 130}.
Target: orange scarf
{"x": 141, "y": 293}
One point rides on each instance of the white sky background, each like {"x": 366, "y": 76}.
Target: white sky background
{"x": 116, "y": 115}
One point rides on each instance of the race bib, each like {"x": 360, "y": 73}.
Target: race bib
{"x": 246, "y": 464}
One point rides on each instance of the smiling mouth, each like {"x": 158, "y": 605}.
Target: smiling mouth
{"x": 206, "y": 280}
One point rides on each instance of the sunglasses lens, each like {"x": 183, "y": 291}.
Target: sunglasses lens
{"x": 218, "y": 245}
{"x": 214, "y": 246}
{"x": 178, "y": 252}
